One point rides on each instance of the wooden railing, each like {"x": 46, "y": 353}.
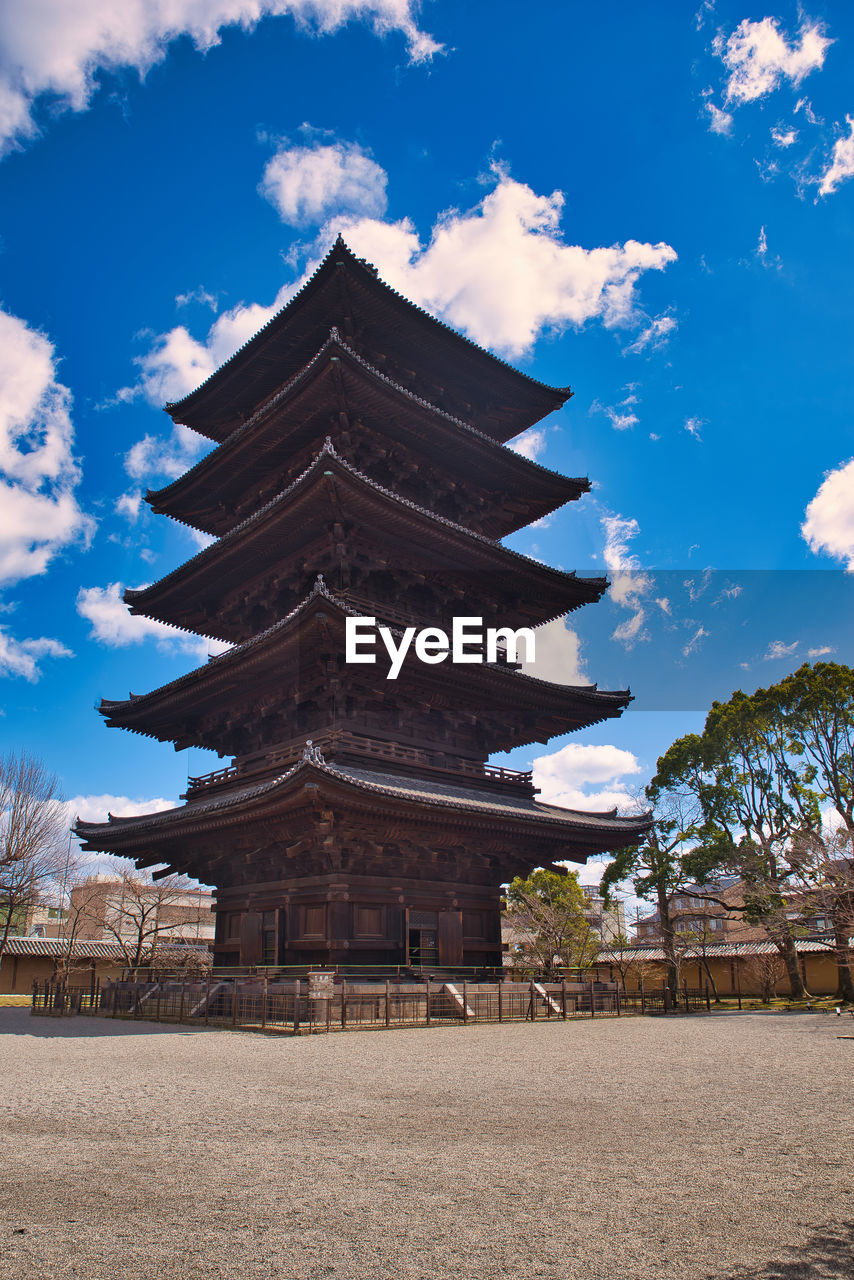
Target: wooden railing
{"x": 342, "y": 742}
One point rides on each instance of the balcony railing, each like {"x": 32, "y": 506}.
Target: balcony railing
{"x": 343, "y": 743}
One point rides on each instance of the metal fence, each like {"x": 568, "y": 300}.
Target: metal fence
{"x": 298, "y": 1007}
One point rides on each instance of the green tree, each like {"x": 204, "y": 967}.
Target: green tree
{"x": 764, "y": 771}
{"x": 655, "y": 866}
{"x": 550, "y": 919}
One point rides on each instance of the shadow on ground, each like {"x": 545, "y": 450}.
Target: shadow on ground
{"x": 828, "y": 1254}
{"x": 18, "y": 1021}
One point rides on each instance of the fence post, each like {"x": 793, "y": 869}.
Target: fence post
{"x": 708, "y": 998}
{"x": 387, "y": 1003}
{"x": 427, "y": 1000}
{"x": 666, "y": 994}
{"x": 643, "y": 997}
{"x": 618, "y": 1000}
{"x": 500, "y": 1001}
{"x": 738, "y": 980}
{"x": 465, "y": 1001}
{"x": 234, "y": 1002}
{"x": 264, "y": 1005}
{"x": 685, "y": 993}
{"x": 592, "y": 1001}
{"x": 343, "y": 1004}
{"x": 207, "y": 998}
{"x": 296, "y": 1005}
{"x": 183, "y": 1000}
{"x": 533, "y": 1003}
{"x": 157, "y": 1010}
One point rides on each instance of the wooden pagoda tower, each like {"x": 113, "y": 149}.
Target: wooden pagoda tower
{"x": 360, "y": 468}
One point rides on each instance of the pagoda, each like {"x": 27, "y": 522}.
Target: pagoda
{"x": 360, "y": 470}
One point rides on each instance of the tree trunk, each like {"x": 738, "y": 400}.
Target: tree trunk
{"x": 785, "y": 944}
{"x": 845, "y": 984}
{"x": 708, "y": 970}
{"x": 668, "y": 942}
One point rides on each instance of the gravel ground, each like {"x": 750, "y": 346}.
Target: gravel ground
{"x": 633, "y": 1149}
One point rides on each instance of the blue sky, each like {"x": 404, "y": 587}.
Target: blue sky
{"x": 652, "y": 204}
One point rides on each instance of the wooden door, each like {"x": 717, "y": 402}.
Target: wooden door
{"x": 250, "y": 938}
{"x": 450, "y": 938}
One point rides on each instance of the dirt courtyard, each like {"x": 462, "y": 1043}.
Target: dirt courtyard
{"x": 709, "y": 1147}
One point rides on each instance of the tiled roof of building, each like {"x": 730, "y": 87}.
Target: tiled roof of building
{"x": 725, "y": 950}
{"x": 87, "y": 949}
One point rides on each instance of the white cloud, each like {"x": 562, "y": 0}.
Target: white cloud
{"x": 629, "y": 584}
{"x": 159, "y": 456}
{"x": 655, "y": 335}
{"x": 622, "y": 421}
{"x": 531, "y": 443}
{"x": 305, "y": 184}
{"x": 762, "y": 243}
{"x": 128, "y": 504}
{"x": 821, "y": 652}
{"x": 758, "y": 57}
{"x": 115, "y": 626}
{"x": 39, "y": 514}
{"x": 500, "y": 272}
{"x": 779, "y": 649}
{"x": 829, "y": 523}
{"x": 694, "y": 426}
{"x": 566, "y": 776}
{"x": 56, "y": 48}
{"x": 22, "y": 657}
{"x": 98, "y": 808}
{"x": 695, "y": 642}
{"x": 558, "y": 655}
{"x": 841, "y": 166}
{"x": 719, "y": 121}
{"x": 784, "y": 137}
{"x": 200, "y": 295}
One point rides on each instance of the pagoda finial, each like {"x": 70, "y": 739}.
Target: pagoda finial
{"x": 312, "y": 754}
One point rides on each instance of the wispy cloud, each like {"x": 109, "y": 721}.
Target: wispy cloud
{"x": 531, "y": 443}
{"x": 779, "y": 649}
{"x": 841, "y": 165}
{"x": 759, "y": 57}
{"x": 655, "y": 335}
{"x": 116, "y": 627}
{"x": 694, "y": 427}
{"x": 630, "y": 585}
{"x": 22, "y": 657}
{"x": 55, "y": 49}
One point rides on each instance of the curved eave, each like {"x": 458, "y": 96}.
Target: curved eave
{"x": 212, "y": 407}
{"x": 145, "y": 600}
{"x": 604, "y": 828}
{"x": 586, "y": 704}
{"x": 553, "y": 488}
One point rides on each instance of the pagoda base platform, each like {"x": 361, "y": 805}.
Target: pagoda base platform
{"x": 359, "y": 921}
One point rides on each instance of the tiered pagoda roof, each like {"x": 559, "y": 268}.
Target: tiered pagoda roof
{"x": 359, "y": 470}
{"x": 414, "y": 348}
{"x": 382, "y": 429}
{"x": 336, "y": 520}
